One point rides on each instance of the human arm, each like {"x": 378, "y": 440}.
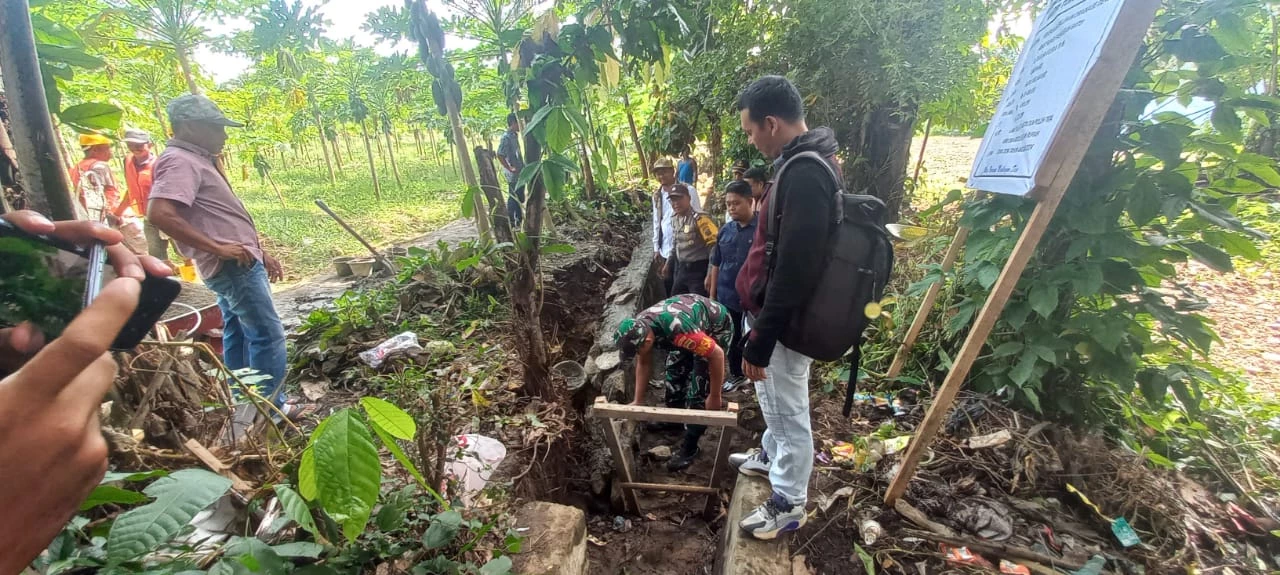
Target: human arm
{"x": 275, "y": 271}
{"x": 51, "y": 446}
{"x": 705, "y": 347}
{"x": 716, "y": 363}
{"x": 164, "y": 215}
{"x": 123, "y": 205}
{"x": 807, "y": 193}
{"x": 644, "y": 370}
{"x": 19, "y": 343}
{"x": 657, "y": 225}
{"x": 713, "y": 274}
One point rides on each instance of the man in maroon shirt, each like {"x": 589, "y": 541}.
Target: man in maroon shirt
{"x": 191, "y": 201}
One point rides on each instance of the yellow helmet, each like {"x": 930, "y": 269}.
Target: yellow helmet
{"x": 90, "y": 140}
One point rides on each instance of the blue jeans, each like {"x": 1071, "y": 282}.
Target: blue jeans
{"x": 515, "y": 204}
{"x": 252, "y": 335}
{"x": 788, "y": 439}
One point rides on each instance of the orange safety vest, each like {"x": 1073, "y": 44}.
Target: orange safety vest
{"x": 139, "y": 182}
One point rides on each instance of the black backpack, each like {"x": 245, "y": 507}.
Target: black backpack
{"x": 858, "y": 263}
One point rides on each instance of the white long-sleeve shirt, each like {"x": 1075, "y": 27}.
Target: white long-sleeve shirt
{"x": 663, "y": 233}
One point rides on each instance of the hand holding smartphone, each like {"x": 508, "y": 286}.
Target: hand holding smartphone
{"x": 46, "y": 280}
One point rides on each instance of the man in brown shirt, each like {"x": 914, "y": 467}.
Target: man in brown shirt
{"x": 191, "y": 201}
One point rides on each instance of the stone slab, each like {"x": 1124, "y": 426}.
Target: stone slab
{"x": 555, "y": 542}
{"x": 739, "y": 553}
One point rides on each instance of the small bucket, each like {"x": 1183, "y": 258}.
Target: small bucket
{"x": 342, "y": 266}
{"x": 573, "y": 373}
{"x": 361, "y": 267}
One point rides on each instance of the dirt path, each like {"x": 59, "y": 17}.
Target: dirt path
{"x": 295, "y": 302}
{"x": 1245, "y": 306}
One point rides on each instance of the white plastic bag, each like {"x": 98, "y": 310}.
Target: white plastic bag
{"x": 403, "y": 343}
{"x": 474, "y": 462}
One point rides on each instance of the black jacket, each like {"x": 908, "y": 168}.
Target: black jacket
{"x": 805, "y": 201}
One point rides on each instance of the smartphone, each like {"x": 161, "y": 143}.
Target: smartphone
{"x": 48, "y": 281}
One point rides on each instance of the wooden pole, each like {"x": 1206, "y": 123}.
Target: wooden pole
{"x": 47, "y": 186}
{"x": 915, "y": 179}
{"x": 926, "y": 305}
{"x": 1079, "y": 124}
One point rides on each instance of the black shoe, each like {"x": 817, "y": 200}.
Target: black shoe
{"x": 682, "y": 459}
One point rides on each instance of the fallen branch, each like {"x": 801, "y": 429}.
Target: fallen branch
{"x": 149, "y": 394}
{"x": 920, "y": 519}
{"x": 999, "y": 549}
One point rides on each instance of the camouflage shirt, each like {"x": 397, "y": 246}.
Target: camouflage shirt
{"x": 688, "y": 322}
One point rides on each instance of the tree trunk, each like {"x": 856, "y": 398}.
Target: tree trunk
{"x": 715, "y": 145}
{"x": 468, "y": 172}
{"x": 333, "y": 178}
{"x": 924, "y": 144}
{"x": 635, "y": 136}
{"x": 417, "y": 141}
{"x": 184, "y": 62}
{"x": 382, "y": 156}
{"x": 337, "y": 158}
{"x": 499, "y": 219}
{"x": 48, "y": 188}
{"x": 159, "y": 110}
{"x": 879, "y": 155}
{"x": 12, "y": 196}
{"x": 277, "y": 189}
{"x": 373, "y": 169}
{"x": 588, "y": 182}
{"x": 435, "y": 148}
{"x": 346, "y": 141}
{"x": 526, "y": 289}
{"x": 394, "y": 168}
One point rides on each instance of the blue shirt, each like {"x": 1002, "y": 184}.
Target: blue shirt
{"x": 729, "y": 254}
{"x": 684, "y": 172}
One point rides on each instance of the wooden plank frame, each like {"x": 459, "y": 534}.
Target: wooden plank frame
{"x": 612, "y": 412}
{"x": 1079, "y": 124}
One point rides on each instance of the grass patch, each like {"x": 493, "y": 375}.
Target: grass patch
{"x": 304, "y": 239}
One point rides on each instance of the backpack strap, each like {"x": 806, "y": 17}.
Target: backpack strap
{"x": 855, "y": 360}
{"x": 775, "y": 216}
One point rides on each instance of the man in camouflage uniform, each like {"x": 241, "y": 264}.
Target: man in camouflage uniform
{"x": 694, "y": 332}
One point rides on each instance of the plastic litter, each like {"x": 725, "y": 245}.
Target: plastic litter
{"x": 990, "y": 440}
{"x": 963, "y": 556}
{"x": 870, "y": 530}
{"x": 985, "y": 518}
{"x": 402, "y": 343}
{"x": 1092, "y": 567}
{"x": 1120, "y": 527}
{"x": 474, "y": 462}
{"x": 865, "y": 457}
{"x": 1011, "y": 568}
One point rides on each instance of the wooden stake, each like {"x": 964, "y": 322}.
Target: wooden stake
{"x": 926, "y": 305}
{"x": 718, "y": 470}
{"x": 1079, "y": 124}
{"x": 622, "y": 463}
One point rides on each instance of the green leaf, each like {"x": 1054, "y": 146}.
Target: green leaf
{"x": 1234, "y": 244}
{"x": 553, "y": 175}
{"x": 307, "y": 475}
{"x": 1044, "y": 298}
{"x": 559, "y": 131}
{"x": 469, "y": 201}
{"x": 47, "y": 31}
{"x": 575, "y": 118}
{"x": 104, "y": 494}
{"x": 1144, "y": 202}
{"x": 528, "y": 173}
{"x": 391, "y": 445}
{"x": 1089, "y": 281}
{"x": 178, "y": 498}
{"x": 497, "y": 566}
{"x": 444, "y": 527}
{"x": 348, "y": 473}
{"x": 299, "y": 549}
{"x": 438, "y": 565}
{"x": 69, "y": 56}
{"x": 1025, "y": 366}
{"x": 1163, "y": 142}
{"x": 557, "y": 249}
{"x": 1210, "y": 256}
{"x": 92, "y": 116}
{"x": 868, "y": 562}
{"x": 1007, "y": 348}
{"x": 296, "y": 508}
{"x": 538, "y": 118}
{"x": 1232, "y": 33}
{"x": 988, "y": 273}
{"x": 390, "y": 418}
{"x": 1263, "y": 172}
{"x": 1032, "y": 398}
{"x": 1154, "y": 386}
{"x": 113, "y": 476}
{"x": 1226, "y": 121}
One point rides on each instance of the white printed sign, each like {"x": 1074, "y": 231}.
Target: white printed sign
{"x": 1064, "y": 45}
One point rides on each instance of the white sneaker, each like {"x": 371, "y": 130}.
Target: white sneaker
{"x": 768, "y": 521}
{"x": 754, "y": 463}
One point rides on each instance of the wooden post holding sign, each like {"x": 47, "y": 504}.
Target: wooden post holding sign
{"x": 1065, "y": 80}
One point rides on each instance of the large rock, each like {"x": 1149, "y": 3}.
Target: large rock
{"x": 739, "y": 553}
{"x": 556, "y": 540}
{"x": 608, "y": 360}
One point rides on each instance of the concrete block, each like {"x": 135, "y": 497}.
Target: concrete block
{"x": 739, "y": 553}
{"x": 556, "y": 540}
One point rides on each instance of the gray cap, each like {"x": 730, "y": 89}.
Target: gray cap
{"x": 136, "y": 136}
{"x": 198, "y": 108}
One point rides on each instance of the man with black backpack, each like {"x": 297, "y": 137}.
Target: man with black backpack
{"x": 819, "y": 259}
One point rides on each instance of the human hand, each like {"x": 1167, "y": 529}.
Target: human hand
{"x": 752, "y": 372}
{"x": 235, "y": 252}
{"x": 665, "y": 272}
{"x": 19, "y": 343}
{"x": 51, "y": 447}
{"x": 275, "y": 272}
{"x": 708, "y": 285}
{"x": 714, "y": 401}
